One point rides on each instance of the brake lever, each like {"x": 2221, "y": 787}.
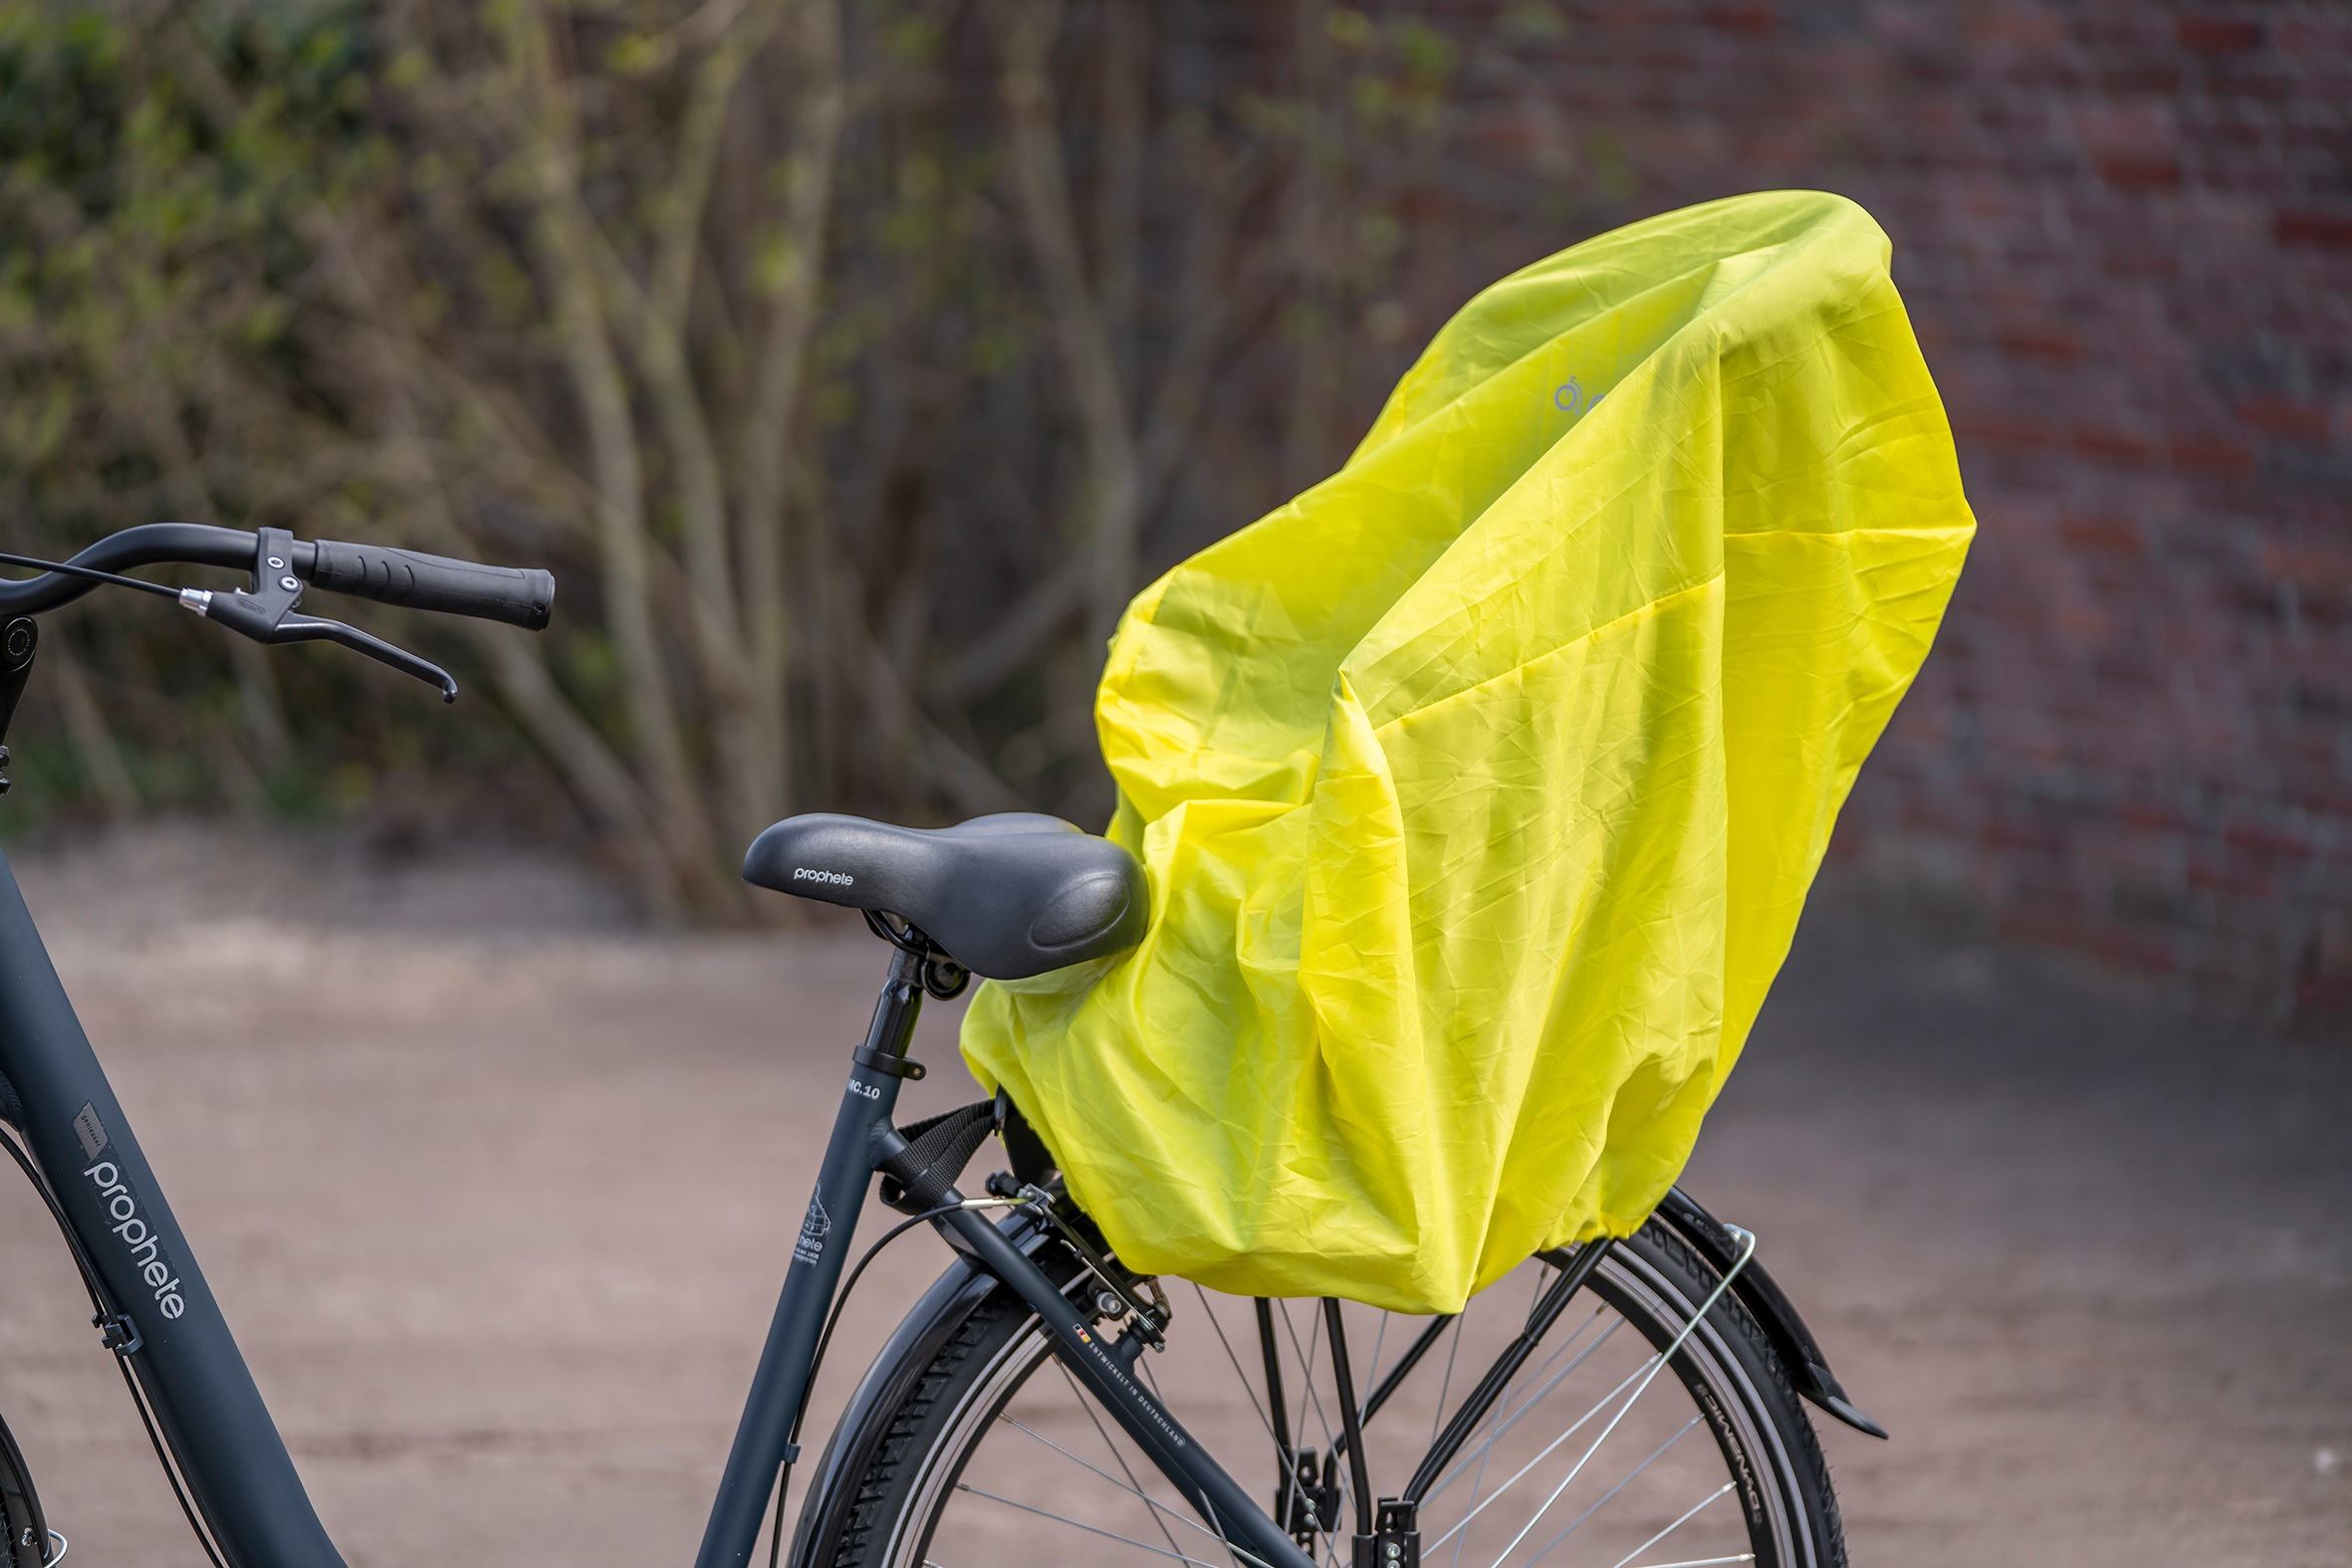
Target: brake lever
{"x": 252, "y": 616}
{"x": 267, "y": 614}
{"x": 311, "y": 628}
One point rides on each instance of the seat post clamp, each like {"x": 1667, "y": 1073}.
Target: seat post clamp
{"x": 885, "y": 1063}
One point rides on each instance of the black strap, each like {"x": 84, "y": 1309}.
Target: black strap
{"x": 937, "y": 1149}
{"x": 1033, "y": 1162}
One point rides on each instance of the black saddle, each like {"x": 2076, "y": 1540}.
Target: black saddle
{"x": 1007, "y": 896}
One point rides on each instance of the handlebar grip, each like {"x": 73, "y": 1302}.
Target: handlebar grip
{"x": 520, "y": 597}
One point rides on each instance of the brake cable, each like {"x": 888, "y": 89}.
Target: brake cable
{"x": 93, "y": 574}
{"x": 266, "y": 614}
{"x": 109, "y": 1319}
{"x": 792, "y": 1447}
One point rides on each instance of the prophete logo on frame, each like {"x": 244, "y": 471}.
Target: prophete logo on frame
{"x": 138, "y": 1238}
{"x": 816, "y": 1225}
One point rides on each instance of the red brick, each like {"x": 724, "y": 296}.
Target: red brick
{"x": 2140, "y": 170}
{"x": 2311, "y": 565}
{"x": 2055, "y": 345}
{"x": 2283, "y": 417}
{"x": 2267, "y": 845}
{"x": 2124, "y": 235}
{"x": 1999, "y": 430}
{"x": 2209, "y": 876}
{"x": 2331, "y": 229}
{"x": 2210, "y": 454}
{"x": 1752, "y": 21}
{"x": 2214, "y": 36}
{"x": 2324, "y": 996}
{"x": 2112, "y": 446}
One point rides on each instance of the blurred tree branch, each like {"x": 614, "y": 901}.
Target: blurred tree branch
{"x": 852, "y": 364}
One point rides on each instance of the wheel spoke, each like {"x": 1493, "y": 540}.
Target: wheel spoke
{"x": 1657, "y": 1365}
{"x": 1135, "y": 1485}
{"x": 1677, "y": 1525}
{"x": 1562, "y": 1376}
{"x": 1476, "y": 1481}
{"x": 1308, "y": 1395}
{"x": 1560, "y": 1350}
{"x": 1210, "y": 1314}
{"x": 1111, "y": 1535}
{"x": 1522, "y": 1471}
{"x": 1628, "y": 1480}
{"x": 1446, "y": 1386}
{"x": 1509, "y": 1418}
{"x": 1372, "y": 1377}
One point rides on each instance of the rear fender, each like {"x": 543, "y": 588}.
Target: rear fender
{"x": 930, "y": 1325}
{"x": 927, "y": 1327}
{"x": 1799, "y": 1352}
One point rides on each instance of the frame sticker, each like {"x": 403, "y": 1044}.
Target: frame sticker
{"x": 89, "y": 1130}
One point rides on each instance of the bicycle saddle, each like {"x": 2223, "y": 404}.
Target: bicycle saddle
{"x": 1007, "y": 896}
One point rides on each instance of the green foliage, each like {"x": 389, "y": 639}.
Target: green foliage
{"x": 365, "y": 271}
{"x": 161, "y": 187}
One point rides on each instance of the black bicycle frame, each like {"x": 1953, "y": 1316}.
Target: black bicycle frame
{"x": 170, "y": 1330}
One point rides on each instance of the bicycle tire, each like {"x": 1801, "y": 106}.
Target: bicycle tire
{"x": 906, "y": 1454}
{"x": 27, "y": 1537}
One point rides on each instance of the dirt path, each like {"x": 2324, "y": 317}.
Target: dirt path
{"x": 498, "y": 1192}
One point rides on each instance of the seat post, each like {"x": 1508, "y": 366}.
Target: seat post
{"x": 895, "y": 1012}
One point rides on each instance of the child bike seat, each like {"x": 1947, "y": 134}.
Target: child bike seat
{"x": 1007, "y": 896}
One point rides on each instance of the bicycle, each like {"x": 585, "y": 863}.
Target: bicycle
{"x": 1040, "y": 1401}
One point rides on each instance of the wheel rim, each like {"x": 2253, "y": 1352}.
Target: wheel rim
{"x": 1024, "y": 1468}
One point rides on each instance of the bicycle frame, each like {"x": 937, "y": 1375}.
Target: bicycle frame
{"x": 163, "y": 1321}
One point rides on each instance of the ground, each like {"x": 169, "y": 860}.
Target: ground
{"x": 497, "y": 1190}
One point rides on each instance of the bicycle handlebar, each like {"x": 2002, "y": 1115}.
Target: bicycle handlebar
{"x": 147, "y": 545}
{"x": 518, "y": 597}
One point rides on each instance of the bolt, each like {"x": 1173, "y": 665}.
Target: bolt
{"x": 288, "y": 583}
{"x": 1394, "y": 1551}
{"x": 277, "y": 564}
{"x": 1107, "y": 1304}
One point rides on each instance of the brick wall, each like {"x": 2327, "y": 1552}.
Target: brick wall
{"x": 2125, "y": 234}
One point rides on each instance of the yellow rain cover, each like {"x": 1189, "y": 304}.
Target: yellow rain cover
{"x": 1479, "y": 787}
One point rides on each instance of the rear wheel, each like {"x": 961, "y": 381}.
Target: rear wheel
{"x": 29, "y": 1542}
{"x": 1592, "y": 1454}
